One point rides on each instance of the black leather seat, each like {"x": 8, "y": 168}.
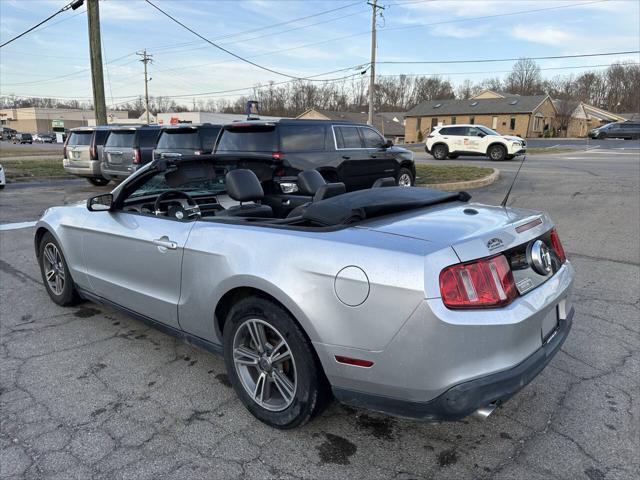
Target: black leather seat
{"x": 384, "y": 182}
{"x": 244, "y": 186}
{"x": 309, "y": 181}
{"x": 329, "y": 190}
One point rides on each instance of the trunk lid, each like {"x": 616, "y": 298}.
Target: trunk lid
{"x": 472, "y": 230}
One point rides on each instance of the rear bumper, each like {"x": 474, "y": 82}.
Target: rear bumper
{"x": 82, "y": 169}
{"x": 465, "y": 398}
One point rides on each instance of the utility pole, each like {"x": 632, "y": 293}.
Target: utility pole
{"x": 95, "y": 50}
{"x": 372, "y": 78}
{"x": 146, "y": 58}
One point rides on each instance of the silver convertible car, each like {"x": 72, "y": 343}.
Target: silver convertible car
{"x": 408, "y": 301}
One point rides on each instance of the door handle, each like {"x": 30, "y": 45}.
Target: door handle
{"x": 164, "y": 242}
{"x": 346, "y": 157}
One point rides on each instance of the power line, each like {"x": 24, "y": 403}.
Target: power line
{"x": 490, "y": 60}
{"x": 73, "y": 5}
{"x": 262, "y": 67}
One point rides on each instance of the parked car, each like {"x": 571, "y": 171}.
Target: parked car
{"x": 628, "y": 130}
{"x": 22, "y": 138}
{"x": 186, "y": 139}
{"x": 82, "y": 152}
{"x": 128, "y": 148}
{"x": 8, "y": 133}
{"x": 454, "y": 140}
{"x": 405, "y": 300}
{"x": 341, "y": 151}
{"x": 3, "y": 179}
{"x": 44, "y": 138}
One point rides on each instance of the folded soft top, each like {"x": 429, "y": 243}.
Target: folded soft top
{"x": 363, "y": 204}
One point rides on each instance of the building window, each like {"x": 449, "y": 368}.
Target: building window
{"x": 494, "y": 122}
{"x": 434, "y": 122}
{"x": 453, "y": 120}
{"x": 472, "y": 120}
{"x": 419, "y": 124}
{"x": 536, "y": 124}
{"x": 512, "y": 123}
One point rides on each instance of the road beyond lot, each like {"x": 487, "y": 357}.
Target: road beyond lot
{"x": 86, "y": 392}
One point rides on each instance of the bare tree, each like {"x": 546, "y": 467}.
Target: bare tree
{"x": 525, "y": 78}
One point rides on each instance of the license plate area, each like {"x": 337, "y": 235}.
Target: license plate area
{"x": 549, "y": 324}
{"x": 115, "y": 158}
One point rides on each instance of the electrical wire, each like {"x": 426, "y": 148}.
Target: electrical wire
{"x": 491, "y": 60}
{"x": 63, "y": 9}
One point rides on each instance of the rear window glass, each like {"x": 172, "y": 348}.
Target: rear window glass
{"x": 120, "y": 139}
{"x": 148, "y": 138}
{"x": 80, "y": 138}
{"x": 302, "y": 137}
{"x": 248, "y": 140}
{"x": 179, "y": 139}
{"x": 348, "y": 137}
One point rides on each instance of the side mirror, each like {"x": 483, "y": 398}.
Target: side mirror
{"x": 100, "y": 203}
{"x": 481, "y": 135}
{"x": 388, "y": 144}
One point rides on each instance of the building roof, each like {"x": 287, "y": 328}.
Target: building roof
{"x": 388, "y": 123}
{"x": 480, "y": 106}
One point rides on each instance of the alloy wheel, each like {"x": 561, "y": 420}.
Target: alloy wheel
{"x": 53, "y": 268}
{"x": 265, "y": 365}
{"x": 404, "y": 180}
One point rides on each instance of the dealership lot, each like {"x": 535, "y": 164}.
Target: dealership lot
{"x": 89, "y": 393}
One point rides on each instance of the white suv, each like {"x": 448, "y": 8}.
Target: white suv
{"x": 453, "y": 140}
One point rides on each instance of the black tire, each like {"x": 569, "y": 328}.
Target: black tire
{"x": 404, "y": 176}
{"x": 311, "y": 389}
{"x": 497, "y": 153}
{"x": 2, "y": 186}
{"x": 68, "y": 294}
{"x": 440, "y": 151}
{"x": 510, "y": 157}
{"x": 453, "y": 156}
{"x": 98, "y": 181}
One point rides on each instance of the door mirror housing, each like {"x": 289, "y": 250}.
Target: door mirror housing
{"x": 100, "y": 203}
{"x": 481, "y": 135}
{"x": 387, "y": 144}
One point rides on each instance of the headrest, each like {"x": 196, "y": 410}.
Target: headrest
{"x": 384, "y": 182}
{"x": 309, "y": 182}
{"x": 243, "y": 185}
{"x": 329, "y": 190}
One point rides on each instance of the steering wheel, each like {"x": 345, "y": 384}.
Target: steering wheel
{"x": 177, "y": 211}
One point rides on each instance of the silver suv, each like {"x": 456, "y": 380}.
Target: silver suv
{"x": 128, "y": 148}
{"x": 82, "y": 152}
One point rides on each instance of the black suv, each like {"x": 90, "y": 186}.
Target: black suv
{"x": 127, "y": 148}
{"x": 186, "y": 139}
{"x": 627, "y": 130}
{"x": 354, "y": 154}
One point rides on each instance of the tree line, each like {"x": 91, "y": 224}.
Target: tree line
{"x": 614, "y": 89}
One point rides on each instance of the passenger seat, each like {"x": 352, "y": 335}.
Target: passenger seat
{"x": 311, "y": 182}
{"x": 243, "y": 186}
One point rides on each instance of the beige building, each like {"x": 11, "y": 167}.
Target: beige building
{"x": 524, "y": 116}
{"x": 582, "y": 118}
{"x": 43, "y": 120}
{"x": 390, "y": 124}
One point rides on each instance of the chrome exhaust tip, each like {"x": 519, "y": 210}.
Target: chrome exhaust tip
{"x": 483, "y": 412}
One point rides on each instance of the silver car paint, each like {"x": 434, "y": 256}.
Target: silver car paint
{"x": 420, "y": 348}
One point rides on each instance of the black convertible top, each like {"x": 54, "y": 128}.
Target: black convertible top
{"x": 374, "y": 202}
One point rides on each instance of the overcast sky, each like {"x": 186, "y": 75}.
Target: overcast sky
{"x": 409, "y": 30}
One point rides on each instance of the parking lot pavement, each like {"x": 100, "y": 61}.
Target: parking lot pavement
{"x": 86, "y": 392}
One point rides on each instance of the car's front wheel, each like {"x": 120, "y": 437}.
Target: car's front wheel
{"x": 271, "y": 364}
{"x": 440, "y": 151}
{"x": 98, "y": 181}
{"x": 404, "y": 178}
{"x": 55, "y": 272}
{"x": 497, "y": 153}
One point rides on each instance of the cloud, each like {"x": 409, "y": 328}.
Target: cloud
{"x": 459, "y": 32}
{"x": 544, "y": 34}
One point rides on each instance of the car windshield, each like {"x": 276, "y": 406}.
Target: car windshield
{"x": 487, "y": 130}
{"x": 158, "y": 184}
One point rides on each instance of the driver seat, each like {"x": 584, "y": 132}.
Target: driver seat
{"x": 243, "y": 186}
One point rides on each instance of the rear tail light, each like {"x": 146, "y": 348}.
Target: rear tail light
{"x": 136, "y": 156}
{"x": 93, "y": 151}
{"x": 557, "y": 246}
{"x": 198, "y": 152}
{"x": 276, "y": 155}
{"x": 484, "y": 283}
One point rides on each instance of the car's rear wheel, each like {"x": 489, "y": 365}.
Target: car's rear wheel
{"x": 98, "y": 181}
{"x": 271, "y": 364}
{"x": 404, "y": 178}
{"x": 440, "y": 151}
{"x": 497, "y": 153}
{"x": 55, "y": 272}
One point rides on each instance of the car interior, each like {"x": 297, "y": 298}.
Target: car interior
{"x": 205, "y": 190}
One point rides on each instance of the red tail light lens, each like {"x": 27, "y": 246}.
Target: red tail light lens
{"x": 93, "y": 152}
{"x": 136, "y": 156}
{"x": 64, "y": 148}
{"x": 557, "y": 246}
{"x": 485, "y": 283}
{"x": 276, "y": 155}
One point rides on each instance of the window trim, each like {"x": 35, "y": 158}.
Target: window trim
{"x": 335, "y": 138}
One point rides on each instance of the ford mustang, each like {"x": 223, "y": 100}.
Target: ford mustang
{"x": 409, "y": 301}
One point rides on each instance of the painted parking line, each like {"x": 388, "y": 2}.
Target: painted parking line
{"x": 16, "y": 226}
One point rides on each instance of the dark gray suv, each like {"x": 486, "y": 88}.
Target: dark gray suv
{"x": 347, "y": 152}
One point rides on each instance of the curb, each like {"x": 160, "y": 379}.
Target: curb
{"x": 453, "y": 186}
